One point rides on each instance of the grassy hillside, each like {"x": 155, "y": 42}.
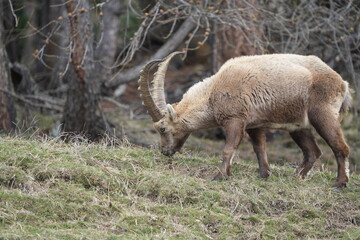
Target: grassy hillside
{"x": 54, "y": 190}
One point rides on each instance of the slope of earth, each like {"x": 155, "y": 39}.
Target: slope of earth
{"x": 55, "y": 190}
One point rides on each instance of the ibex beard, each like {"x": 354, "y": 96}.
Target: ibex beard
{"x": 252, "y": 94}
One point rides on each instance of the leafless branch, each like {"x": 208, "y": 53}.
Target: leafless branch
{"x": 118, "y": 104}
{"x": 13, "y": 13}
{"x": 168, "y": 47}
{"x": 45, "y": 105}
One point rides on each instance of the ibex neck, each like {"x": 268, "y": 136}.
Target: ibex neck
{"x": 194, "y": 109}
{"x": 195, "y": 117}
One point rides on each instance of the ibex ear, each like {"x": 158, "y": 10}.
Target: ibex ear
{"x": 172, "y": 113}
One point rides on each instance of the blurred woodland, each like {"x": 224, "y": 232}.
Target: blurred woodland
{"x": 71, "y": 59}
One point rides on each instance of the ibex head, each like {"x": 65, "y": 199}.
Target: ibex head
{"x": 165, "y": 118}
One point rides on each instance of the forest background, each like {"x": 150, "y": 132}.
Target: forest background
{"x": 71, "y": 118}
{"x": 70, "y": 67}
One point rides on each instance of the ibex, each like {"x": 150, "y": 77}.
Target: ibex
{"x": 252, "y": 94}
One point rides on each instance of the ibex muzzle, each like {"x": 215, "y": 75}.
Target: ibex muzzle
{"x": 251, "y": 94}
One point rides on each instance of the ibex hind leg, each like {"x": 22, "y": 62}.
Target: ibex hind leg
{"x": 328, "y": 127}
{"x": 258, "y": 140}
{"x": 311, "y": 151}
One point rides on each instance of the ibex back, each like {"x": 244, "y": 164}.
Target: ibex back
{"x": 254, "y": 93}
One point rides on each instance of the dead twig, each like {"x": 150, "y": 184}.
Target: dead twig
{"x": 168, "y": 47}
{"x": 46, "y": 105}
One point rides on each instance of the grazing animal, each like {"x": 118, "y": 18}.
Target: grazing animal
{"x": 252, "y": 94}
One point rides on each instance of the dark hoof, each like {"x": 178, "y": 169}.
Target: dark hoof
{"x": 219, "y": 177}
{"x": 338, "y": 186}
{"x": 265, "y": 174}
{"x": 301, "y": 173}
{"x": 300, "y": 176}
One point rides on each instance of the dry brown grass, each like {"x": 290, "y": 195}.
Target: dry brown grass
{"x": 55, "y": 190}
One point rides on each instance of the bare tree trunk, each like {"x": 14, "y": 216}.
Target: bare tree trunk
{"x": 30, "y": 43}
{"x": 7, "y": 110}
{"x": 106, "y": 49}
{"x": 82, "y": 104}
{"x": 57, "y": 80}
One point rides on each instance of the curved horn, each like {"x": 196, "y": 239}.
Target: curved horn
{"x": 145, "y": 94}
{"x": 158, "y": 91}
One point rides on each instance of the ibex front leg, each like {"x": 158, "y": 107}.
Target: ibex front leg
{"x": 234, "y": 131}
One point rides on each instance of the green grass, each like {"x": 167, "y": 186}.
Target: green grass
{"x": 54, "y": 190}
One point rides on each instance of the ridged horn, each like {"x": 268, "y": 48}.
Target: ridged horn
{"x": 145, "y": 94}
{"x": 158, "y": 91}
